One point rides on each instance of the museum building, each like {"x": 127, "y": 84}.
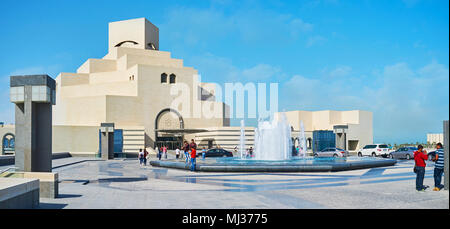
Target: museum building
{"x": 131, "y": 87}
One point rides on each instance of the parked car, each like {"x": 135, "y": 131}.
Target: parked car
{"x": 215, "y": 153}
{"x": 432, "y": 156}
{"x": 332, "y": 152}
{"x": 374, "y": 150}
{"x": 403, "y": 153}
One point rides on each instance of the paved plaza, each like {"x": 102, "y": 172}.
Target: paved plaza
{"x": 122, "y": 183}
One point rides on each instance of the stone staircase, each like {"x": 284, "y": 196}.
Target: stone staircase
{"x": 133, "y": 139}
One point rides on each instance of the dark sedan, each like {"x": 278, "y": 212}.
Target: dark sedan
{"x": 432, "y": 156}
{"x": 215, "y": 153}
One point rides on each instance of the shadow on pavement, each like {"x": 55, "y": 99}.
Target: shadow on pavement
{"x": 62, "y": 196}
{"x": 51, "y": 206}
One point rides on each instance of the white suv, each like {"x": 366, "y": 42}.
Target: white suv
{"x": 374, "y": 150}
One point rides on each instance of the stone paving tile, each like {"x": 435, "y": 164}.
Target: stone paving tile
{"x": 124, "y": 184}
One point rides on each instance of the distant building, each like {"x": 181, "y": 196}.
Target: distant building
{"x": 356, "y": 123}
{"x": 435, "y": 138}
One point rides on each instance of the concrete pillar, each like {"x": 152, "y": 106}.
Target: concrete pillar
{"x": 341, "y": 136}
{"x": 107, "y": 140}
{"x": 446, "y": 146}
{"x": 33, "y": 96}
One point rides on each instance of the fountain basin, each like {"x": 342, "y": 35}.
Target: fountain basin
{"x": 308, "y": 164}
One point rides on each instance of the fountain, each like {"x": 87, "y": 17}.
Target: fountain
{"x": 273, "y": 140}
{"x": 273, "y": 153}
{"x": 302, "y": 141}
{"x": 242, "y": 140}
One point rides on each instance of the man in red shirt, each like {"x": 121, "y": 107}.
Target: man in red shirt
{"x": 420, "y": 156}
{"x": 193, "y": 148}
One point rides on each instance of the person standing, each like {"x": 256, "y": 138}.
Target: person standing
{"x": 165, "y": 152}
{"x": 193, "y": 148}
{"x": 141, "y": 157}
{"x": 203, "y": 153}
{"x": 177, "y": 153}
{"x": 158, "y": 152}
{"x": 438, "y": 167}
{"x": 186, "y": 151}
{"x": 145, "y": 157}
{"x": 420, "y": 156}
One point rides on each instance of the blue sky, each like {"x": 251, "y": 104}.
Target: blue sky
{"x": 386, "y": 56}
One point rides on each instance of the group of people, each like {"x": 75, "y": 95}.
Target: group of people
{"x": 143, "y": 154}
{"x": 160, "y": 152}
{"x": 190, "y": 153}
{"x": 248, "y": 152}
{"x": 420, "y": 157}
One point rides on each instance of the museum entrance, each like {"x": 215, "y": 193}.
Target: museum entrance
{"x": 170, "y": 142}
{"x": 168, "y": 124}
{"x": 170, "y": 129}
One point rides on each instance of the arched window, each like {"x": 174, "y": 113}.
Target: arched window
{"x": 164, "y": 78}
{"x": 8, "y": 143}
{"x": 172, "y": 78}
{"x": 123, "y": 42}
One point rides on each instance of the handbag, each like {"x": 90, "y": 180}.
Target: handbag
{"x": 415, "y": 169}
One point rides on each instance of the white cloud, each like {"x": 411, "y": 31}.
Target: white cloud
{"x": 298, "y": 26}
{"x": 211, "y": 66}
{"x": 260, "y": 72}
{"x": 340, "y": 71}
{"x": 315, "y": 40}
{"x": 194, "y": 25}
{"x": 405, "y": 102}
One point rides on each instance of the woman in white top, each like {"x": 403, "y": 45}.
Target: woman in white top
{"x": 177, "y": 153}
{"x": 141, "y": 157}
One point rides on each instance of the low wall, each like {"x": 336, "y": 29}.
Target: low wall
{"x": 19, "y": 193}
{"x": 48, "y": 182}
{"x": 10, "y": 159}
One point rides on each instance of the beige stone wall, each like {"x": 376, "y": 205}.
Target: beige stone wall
{"x": 75, "y": 139}
{"x": 124, "y": 110}
{"x": 225, "y": 137}
{"x": 139, "y": 30}
{"x": 80, "y": 111}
